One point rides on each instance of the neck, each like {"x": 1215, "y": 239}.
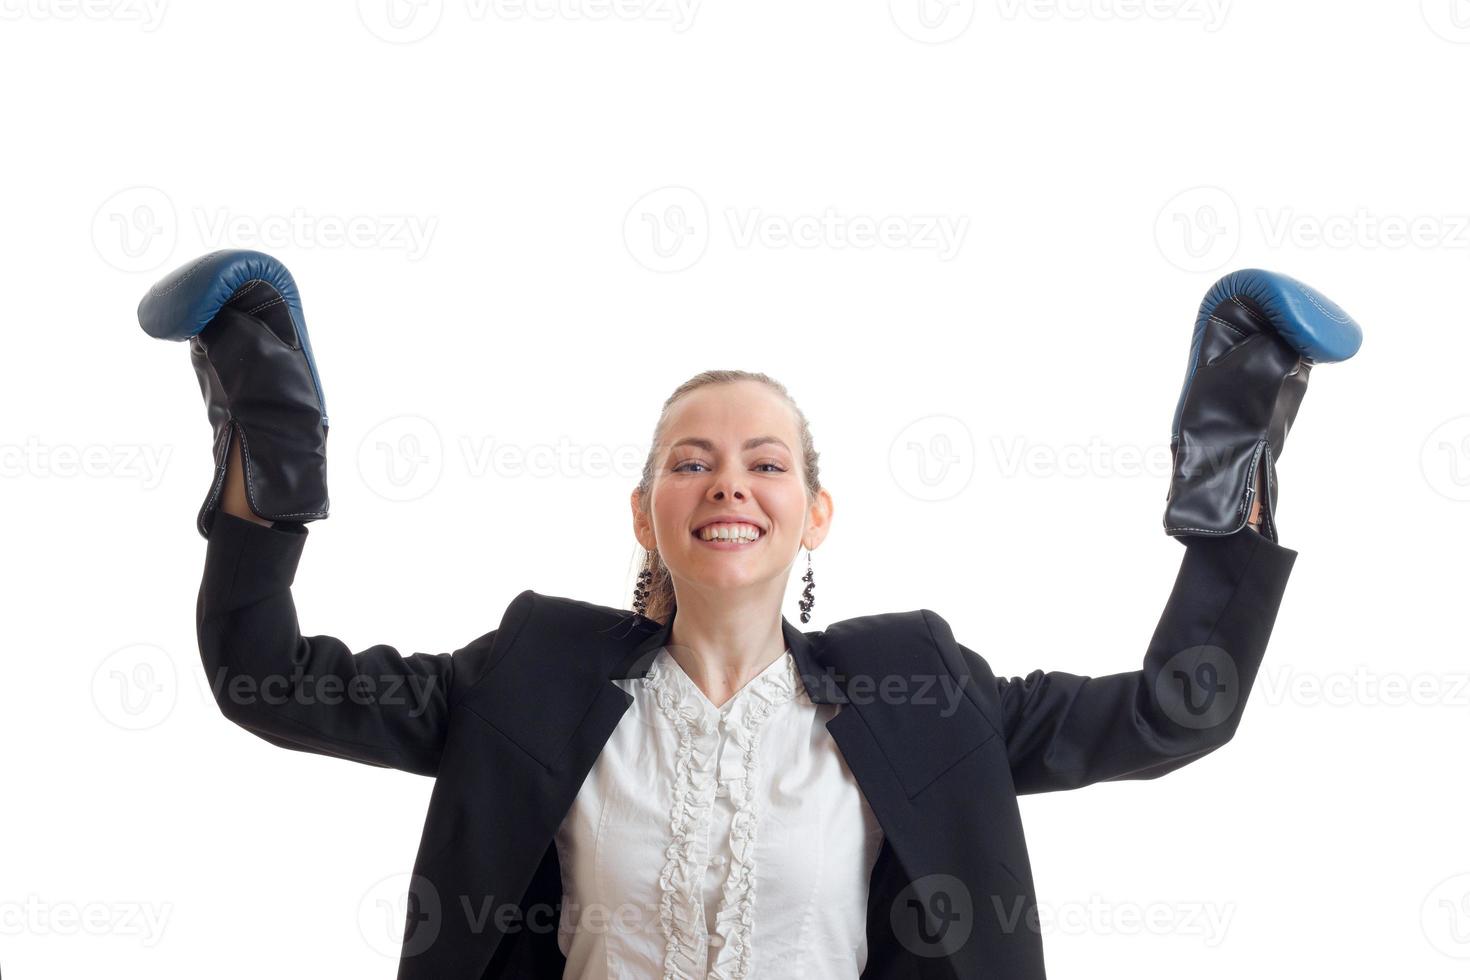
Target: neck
{"x": 723, "y": 642}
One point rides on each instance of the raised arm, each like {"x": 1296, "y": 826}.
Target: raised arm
{"x": 1066, "y": 730}
{"x": 313, "y": 693}
{"x": 241, "y": 315}
{"x": 1256, "y": 338}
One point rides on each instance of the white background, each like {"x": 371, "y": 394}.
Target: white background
{"x": 465, "y": 193}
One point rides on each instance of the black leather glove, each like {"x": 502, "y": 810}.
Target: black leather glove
{"x": 241, "y": 314}
{"x": 1256, "y": 339}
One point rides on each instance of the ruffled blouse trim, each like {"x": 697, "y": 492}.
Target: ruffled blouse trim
{"x": 681, "y": 904}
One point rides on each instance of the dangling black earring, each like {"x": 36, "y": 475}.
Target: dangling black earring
{"x": 807, "y": 599}
{"x": 642, "y": 590}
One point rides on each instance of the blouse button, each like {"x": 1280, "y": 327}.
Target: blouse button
{"x": 722, "y": 790}
{"x": 719, "y": 861}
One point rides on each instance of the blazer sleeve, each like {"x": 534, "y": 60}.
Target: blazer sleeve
{"x": 312, "y": 693}
{"x": 1065, "y": 730}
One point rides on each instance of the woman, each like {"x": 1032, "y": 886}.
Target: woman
{"x": 698, "y": 788}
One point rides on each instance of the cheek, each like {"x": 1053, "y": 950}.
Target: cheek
{"x": 672, "y": 509}
{"x": 787, "y": 508}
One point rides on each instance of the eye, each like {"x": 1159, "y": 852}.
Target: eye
{"x": 681, "y": 468}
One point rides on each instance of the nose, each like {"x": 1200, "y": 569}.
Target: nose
{"x": 726, "y": 484}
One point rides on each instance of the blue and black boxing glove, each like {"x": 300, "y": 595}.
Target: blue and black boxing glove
{"x": 241, "y": 314}
{"x": 1256, "y": 339}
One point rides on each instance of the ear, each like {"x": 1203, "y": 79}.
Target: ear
{"x": 642, "y": 528}
{"x": 818, "y": 520}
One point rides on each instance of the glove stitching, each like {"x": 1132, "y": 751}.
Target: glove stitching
{"x": 249, "y": 479}
{"x": 184, "y": 276}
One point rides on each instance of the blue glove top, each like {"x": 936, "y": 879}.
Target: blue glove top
{"x": 182, "y": 304}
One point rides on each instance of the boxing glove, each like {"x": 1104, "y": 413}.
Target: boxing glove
{"x": 241, "y": 314}
{"x": 1256, "y": 339}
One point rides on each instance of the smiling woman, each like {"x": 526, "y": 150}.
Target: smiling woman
{"x": 698, "y": 788}
{"x": 687, "y": 483}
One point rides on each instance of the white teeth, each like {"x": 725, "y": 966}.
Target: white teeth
{"x": 729, "y": 532}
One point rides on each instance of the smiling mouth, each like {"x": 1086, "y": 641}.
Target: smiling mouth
{"x": 729, "y": 534}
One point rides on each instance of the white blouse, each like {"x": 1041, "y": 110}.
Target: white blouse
{"x": 717, "y": 843}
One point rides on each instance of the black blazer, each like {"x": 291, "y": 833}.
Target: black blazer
{"x": 511, "y": 723}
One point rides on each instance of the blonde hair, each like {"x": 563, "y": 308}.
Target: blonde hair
{"x": 661, "y": 586}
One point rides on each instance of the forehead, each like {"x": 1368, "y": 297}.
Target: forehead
{"x": 732, "y": 411}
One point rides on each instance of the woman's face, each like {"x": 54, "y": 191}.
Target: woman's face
{"x": 731, "y": 449}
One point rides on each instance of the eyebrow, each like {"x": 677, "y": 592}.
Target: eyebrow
{"x": 751, "y": 443}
